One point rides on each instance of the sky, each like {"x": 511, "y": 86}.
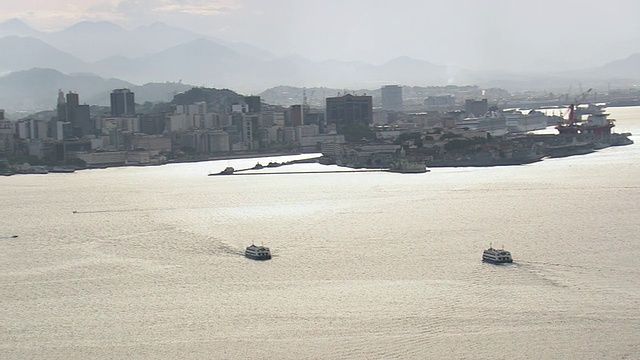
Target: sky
{"x": 488, "y": 34}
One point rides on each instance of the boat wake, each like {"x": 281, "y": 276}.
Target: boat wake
{"x": 549, "y": 273}
{"x": 118, "y": 211}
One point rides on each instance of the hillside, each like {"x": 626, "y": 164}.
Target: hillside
{"x": 37, "y": 89}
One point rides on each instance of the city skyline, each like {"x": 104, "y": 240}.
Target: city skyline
{"x": 488, "y": 36}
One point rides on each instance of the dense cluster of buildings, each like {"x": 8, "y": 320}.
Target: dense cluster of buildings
{"x": 232, "y": 124}
{"x": 196, "y": 130}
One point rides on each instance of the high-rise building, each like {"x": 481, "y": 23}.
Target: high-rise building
{"x": 294, "y": 116}
{"x": 349, "y": 110}
{"x": 254, "y": 103}
{"x": 70, "y": 111}
{"x": 122, "y": 102}
{"x": 391, "y": 97}
{"x": 476, "y": 107}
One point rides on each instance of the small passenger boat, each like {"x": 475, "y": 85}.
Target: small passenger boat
{"x": 496, "y": 256}
{"x": 257, "y": 252}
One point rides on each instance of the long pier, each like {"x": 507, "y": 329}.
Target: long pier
{"x": 304, "y": 172}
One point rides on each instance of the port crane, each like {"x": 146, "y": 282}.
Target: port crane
{"x": 578, "y": 100}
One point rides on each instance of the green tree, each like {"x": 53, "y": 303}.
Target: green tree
{"x": 448, "y": 136}
{"x": 414, "y": 136}
{"x": 357, "y": 132}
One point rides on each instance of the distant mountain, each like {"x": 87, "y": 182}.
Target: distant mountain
{"x": 200, "y": 62}
{"x": 37, "y": 89}
{"x": 96, "y": 41}
{"x": 17, "y": 27}
{"x": 22, "y": 53}
{"x": 624, "y": 68}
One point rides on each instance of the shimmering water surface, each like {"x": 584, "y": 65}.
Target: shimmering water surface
{"x": 366, "y": 265}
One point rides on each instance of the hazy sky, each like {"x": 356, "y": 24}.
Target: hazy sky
{"x": 507, "y": 34}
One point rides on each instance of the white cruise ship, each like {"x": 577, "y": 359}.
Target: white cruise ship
{"x": 517, "y": 121}
{"x": 491, "y": 122}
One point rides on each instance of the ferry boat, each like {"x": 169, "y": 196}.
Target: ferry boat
{"x": 257, "y": 252}
{"x": 496, "y": 256}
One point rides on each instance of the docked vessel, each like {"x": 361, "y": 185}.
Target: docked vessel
{"x": 496, "y": 256}
{"x": 408, "y": 167}
{"x": 570, "y": 149}
{"x": 61, "y": 169}
{"x": 257, "y": 252}
{"x": 491, "y": 122}
{"x": 518, "y": 122}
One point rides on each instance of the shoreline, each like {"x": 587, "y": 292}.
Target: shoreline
{"x": 44, "y": 170}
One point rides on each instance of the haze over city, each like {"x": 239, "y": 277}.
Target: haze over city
{"x": 490, "y": 35}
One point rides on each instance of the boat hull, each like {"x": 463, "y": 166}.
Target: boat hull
{"x": 258, "y": 257}
{"x": 492, "y": 261}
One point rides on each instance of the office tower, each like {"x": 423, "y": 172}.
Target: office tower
{"x": 122, "y": 102}
{"x": 349, "y": 110}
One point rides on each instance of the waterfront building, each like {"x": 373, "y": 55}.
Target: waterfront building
{"x": 205, "y": 141}
{"x": 349, "y": 110}
{"x": 392, "y": 97}
{"x": 103, "y": 158}
{"x": 122, "y": 102}
{"x": 321, "y": 142}
{"x": 151, "y": 142}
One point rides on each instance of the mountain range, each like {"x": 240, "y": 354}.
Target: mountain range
{"x": 102, "y": 52}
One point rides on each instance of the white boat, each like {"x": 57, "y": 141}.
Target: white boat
{"x": 496, "y": 256}
{"x": 257, "y": 252}
{"x": 491, "y": 122}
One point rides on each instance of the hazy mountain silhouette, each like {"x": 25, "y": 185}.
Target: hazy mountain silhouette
{"x": 198, "y": 62}
{"x": 624, "y": 68}
{"x": 37, "y": 89}
{"x": 17, "y": 27}
{"x": 22, "y": 53}
{"x": 95, "y": 41}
